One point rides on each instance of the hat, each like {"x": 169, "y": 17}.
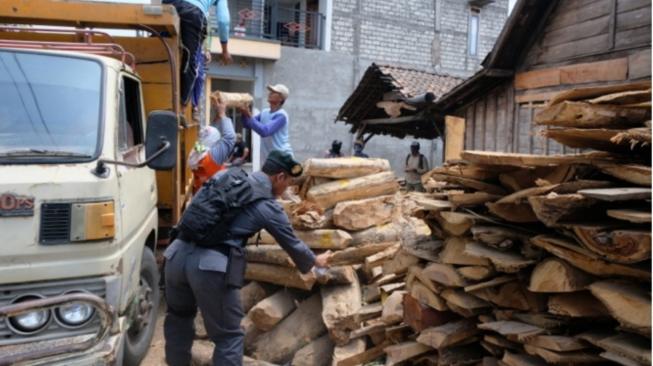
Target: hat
{"x": 281, "y": 89}
{"x": 284, "y": 161}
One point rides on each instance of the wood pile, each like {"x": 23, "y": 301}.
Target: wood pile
{"x": 508, "y": 259}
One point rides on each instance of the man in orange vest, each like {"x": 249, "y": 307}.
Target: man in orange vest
{"x": 213, "y": 148}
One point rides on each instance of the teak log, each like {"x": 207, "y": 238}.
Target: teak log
{"x": 454, "y": 223}
{"x": 325, "y": 238}
{"x": 586, "y": 115}
{"x": 358, "y": 253}
{"x": 620, "y": 246}
{"x": 576, "y": 305}
{"x": 586, "y": 260}
{"x": 572, "y": 357}
{"x": 558, "y": 343}
{"x": 362, "y": 214}
{"x": 351, "y": 349}
{"x": 270, "y": 311}
{"x": 448, "y": 334}
{"x": 278, "y": 275}
{"x": 511, "y": 295}
{"x": 339, "y": 304}
{"x": 404, "y": 351}
{"x": 476, "y": 273}
{"x": 419, "y": 316}
{"x": 329, "y": 194}
{"x": 628, "y": 303}
{"x": 316, "y": 353}
{"x": 281, "y": 343}
{"x": 555, "y": 275}
{"x": 270, "y": 254}
{"x": 502, "y": 261}
{"x": 454, "y": 253}
{"x": 251, "y": 294}
{"x": 408, "y": 231}
{"x": 233, "y": 100}
{"x": 349, "y": 167}
{"x": 426, "y": 296}
{"x": 445, "y": 274}
{"x": 552, "y": 208}
{"x": 393, "y": 308}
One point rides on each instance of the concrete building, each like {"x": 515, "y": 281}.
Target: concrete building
{"x": 321, "y": 48}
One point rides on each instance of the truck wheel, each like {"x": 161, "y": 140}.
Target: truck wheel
{"x": 139, "y": 335}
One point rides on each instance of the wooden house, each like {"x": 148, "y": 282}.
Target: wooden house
{"x": 547, "y": 46}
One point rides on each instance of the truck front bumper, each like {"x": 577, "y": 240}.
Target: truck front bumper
{"x": 101, "y": 348}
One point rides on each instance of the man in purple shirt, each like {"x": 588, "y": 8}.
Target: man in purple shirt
{"x": 272, "y": 123}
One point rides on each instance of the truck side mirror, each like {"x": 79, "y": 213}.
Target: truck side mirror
{"x": 161, "y": 140}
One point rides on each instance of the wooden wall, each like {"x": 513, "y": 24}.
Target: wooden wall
{"x": 583, "y": 43}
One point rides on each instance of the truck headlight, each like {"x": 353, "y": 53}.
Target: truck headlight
{"x": 92, "y": 221}
{"x": 75, "y": 314}
{"x": 30, "y": 322}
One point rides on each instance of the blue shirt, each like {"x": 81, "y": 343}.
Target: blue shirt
{"x": 265, "y": 214}
{"x": 220, "y": 150}
{"x": 273, "y": 129}
{"x": 222, "y": 15}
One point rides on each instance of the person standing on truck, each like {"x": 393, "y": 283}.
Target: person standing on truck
{"x": 212, "y": 151}
{"x": 206, "y": 269}
{"x": 272, "y": 123}
{"x": 193, "y": 16}
{"x": 416, "y": 165}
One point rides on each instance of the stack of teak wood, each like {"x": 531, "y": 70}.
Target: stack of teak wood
{"x": 509, "y": 259}
{"x": 353, "y": 208}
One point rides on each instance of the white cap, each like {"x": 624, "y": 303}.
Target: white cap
{"x": 281, "y": 89}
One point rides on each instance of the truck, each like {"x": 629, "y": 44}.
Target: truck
{"x": 92, "y": 176}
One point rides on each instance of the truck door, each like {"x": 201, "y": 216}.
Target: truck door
{"x": 137, "y": 185}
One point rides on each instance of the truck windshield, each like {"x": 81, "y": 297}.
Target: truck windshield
{"x": 49, "y": 106}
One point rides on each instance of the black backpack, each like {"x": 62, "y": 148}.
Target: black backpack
{"x": 206, "y": 220}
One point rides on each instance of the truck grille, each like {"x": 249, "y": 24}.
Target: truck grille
{"x": 55, "y": 223}
{"x": 8, "y": 293}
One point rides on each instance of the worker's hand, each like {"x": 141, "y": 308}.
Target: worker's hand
{"x": 225, "y": 57}
{"x": 220, "y": 108}
{"x": 245, "y": 112}
{"x": 323, "y": 259}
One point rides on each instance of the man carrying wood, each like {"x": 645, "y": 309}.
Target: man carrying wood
{"x": 416, "y": 165}
{"x": 272, "y": 124}
{"x": 208, "y": 272}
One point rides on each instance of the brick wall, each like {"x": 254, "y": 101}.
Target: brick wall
{"x": 414, "y": 33}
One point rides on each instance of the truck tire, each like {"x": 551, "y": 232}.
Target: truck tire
{"x": 139, "y": 335}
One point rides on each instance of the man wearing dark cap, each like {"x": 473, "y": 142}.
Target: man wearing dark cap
{"x": 197, "y": 276}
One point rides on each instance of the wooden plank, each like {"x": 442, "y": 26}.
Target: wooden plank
{"x": 596, "y": 91}
{"x": 639, "y": 64}
{"x": 610, "y": 70}
{"x": 490, "y": 136}
{"x": 585, "y": 260}
{"x": 581, "y": 12}
{"x": 503, "y": 123}
{"x": 557, "y": 343}
{"x": 586, "y": 115}
{"x": 512, "y": 295}
{"x": 535, "y": 97}
{"x": 580, "y": 30}
{"x": 364, "y": 357}
{"x": 537, "y": 79}
{"x": 449, "y": 334}
{"x": 555, "y": 275}
{"x": 516, "y": 159}
{"x": 628, "y": 303}
{"x": 404, "y": 351}
{"x": 627, "y": 97}
{"x": 502, "y": 261}
{"x": 634, "y": 216}
{"x": 572, "y": 357}
{"x": 631, "y": 173}
{"x": 512, "y": 328}
{"x": 584, "y": 138}
{"x": 628, "y": 345}
{"x": 567, "y": 51}
{"x": 454, "y": 137}
{"x": 479, "y": 124}
{"x": 619, "y": 246}
{"x": 618, "y": 194}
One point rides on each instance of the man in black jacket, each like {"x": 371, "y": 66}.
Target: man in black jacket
{"x": 198, "y": 276}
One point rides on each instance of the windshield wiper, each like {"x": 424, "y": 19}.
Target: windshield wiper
{"x": 43, "y": 152}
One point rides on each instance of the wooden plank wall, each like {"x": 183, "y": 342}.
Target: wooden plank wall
{"x": 584, "y": 43}
{"x": 591, "y": 28}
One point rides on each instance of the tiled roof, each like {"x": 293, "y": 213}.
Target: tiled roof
{"x": 411, "y": 82}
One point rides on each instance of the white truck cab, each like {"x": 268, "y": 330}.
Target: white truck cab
{"x": 78, "y": 209}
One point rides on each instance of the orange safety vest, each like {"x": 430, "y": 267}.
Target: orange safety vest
{"x": 206, "y": 168}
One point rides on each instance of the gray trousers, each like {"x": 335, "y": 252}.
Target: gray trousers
{"x": 187, "y": 287}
